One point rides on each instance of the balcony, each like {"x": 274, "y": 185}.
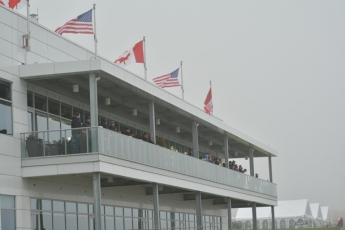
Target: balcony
{"x": 99, "y": 141}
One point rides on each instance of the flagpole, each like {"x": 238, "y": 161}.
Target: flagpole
{"x": 182, "y": 82}
{"x": 145, "y": 69}
{"x": 94, "y": 27}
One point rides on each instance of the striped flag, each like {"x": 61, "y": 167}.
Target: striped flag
{"x": 168, "y": 80}
{"x": 79, "y": 25}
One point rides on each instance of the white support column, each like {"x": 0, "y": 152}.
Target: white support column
{"x": 97, "y": 200}
{"x": 156, "y": 220}
{"x": 273, "y": 218}
{"x": 93, "y": 99}
{"x": 251, "y": 158}
{"x": 195, "y": 139}
{"x": 226, "y": 151}
{"x": 270, "y": 168}
{"x": 152, "y": 121}
{"x": 93, "y": 111}
{"x": 255, "y": 223}
{"x": 229, "y": 214}
{"x": 198, "y": 211}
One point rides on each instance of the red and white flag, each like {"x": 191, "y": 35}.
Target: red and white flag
{"x": 133, "y": 55}
{"x": 13, "y": 4}
{"x": 208, "y": 103}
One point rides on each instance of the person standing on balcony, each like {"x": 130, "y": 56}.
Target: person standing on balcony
{"x": 127, "y": 131}
{"x": 105, "y": 123}
{"x": 76, "y": 123}
{"x": 146, "y": 138}
{"x": 87, "y": 122}
{"x": 112, "y": 126}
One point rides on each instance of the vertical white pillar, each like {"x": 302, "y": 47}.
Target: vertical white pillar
{"x": 156, "y": 220}
{"x": 255, "y": 223}
{"x": 270, "y": 168}
{"x": 195, "y": 139}
{"x": 97, "y": 200}
{"x": 273, "y": 218}
{"x": 229, "y": 214}
{"x": 251, "y": 158}
{"x": 93, "y": 111}
{"x": 152, "y": 121}
{"x": 198, "y": 211}
{"x": 226, "y": 151}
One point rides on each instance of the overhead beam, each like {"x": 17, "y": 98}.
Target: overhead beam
{"x": 121, "y": 182}
{"x": 166, "y": 190}
{"x": 187, "y": 197}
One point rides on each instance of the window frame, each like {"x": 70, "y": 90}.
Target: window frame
{"x": 5, "y": 100}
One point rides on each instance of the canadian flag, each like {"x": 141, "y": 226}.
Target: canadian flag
{"x": 208, "y": 103}
{"x": 133, "y": 55}
{"x": 13, "y": 4}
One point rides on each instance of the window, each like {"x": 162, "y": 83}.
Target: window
{"x": 40, "y": 102}
{"x": 5, "y": 108}
{"x": 7, "y": 212}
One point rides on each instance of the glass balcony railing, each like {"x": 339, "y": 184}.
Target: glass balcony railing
{"x": 99, "y": 140}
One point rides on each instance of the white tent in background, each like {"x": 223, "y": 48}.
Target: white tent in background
{"x": 326, "y": 216}
{"x": 317, "y": 215}
{"x": 293, "y": 213}
{"x": 244, "y": 218}
{"x": 288, "y": 214}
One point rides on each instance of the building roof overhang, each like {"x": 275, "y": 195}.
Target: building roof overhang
{"x": 113, "y": 77}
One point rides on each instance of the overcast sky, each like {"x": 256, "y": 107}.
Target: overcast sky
{"x": 277, "y": 71}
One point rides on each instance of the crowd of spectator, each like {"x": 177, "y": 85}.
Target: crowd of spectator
{"x": 218, "y": 161}
{"x": 76, "y": 123}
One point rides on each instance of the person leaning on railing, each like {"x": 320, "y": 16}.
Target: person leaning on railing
{"x": 76, "y": 123}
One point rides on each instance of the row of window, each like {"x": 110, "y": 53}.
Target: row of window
{"x": 7, "y": 212}
{"x": 51, "y": 114}
{"x": 52, "y": 215}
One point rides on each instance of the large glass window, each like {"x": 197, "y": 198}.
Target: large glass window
{"x": 5, "y": 90}
{"x": 30, "y": 101}
{"x": 66, "y": 111}
{"x": 54, "y": 107}
{"x": 40, "y": 102}
{"x": 70, "y": 215}
{"x": 7, "y": 212}
{"x": 5, "y": 108}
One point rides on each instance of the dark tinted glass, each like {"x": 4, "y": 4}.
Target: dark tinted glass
{"x": 5, "y": 90}
{"x": 54, "y": 106}
{"x": 5, "y": 117}
{"x": 40, "y": 102}
{"x": 66, "y": 111}
{"x": 30, "y": 99}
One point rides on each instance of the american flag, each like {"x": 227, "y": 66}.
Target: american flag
{"x": 168, "y": 80}
{"x": 80, "y": 25}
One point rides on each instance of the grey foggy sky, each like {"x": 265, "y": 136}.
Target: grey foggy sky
{"x": 277, "y": 70}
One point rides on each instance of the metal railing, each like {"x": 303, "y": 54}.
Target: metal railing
{"x": 95, "y": 139}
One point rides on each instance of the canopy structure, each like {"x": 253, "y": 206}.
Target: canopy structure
{"x": 317, "y": 215}
{"x": 326, "y": 216}
{"x": 293, "y": 209}
{"x": 246, "y": 213}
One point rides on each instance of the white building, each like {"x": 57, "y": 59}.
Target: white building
{"x": 317, "y": 215}
{"x": 54, "y": 178}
